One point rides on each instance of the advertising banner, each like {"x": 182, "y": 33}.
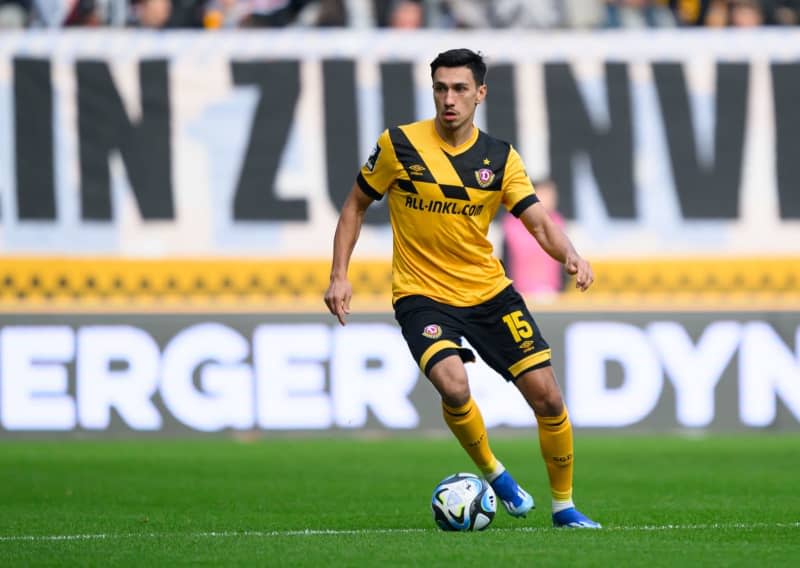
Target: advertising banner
{"x": 271, "y": 374}
{"x": 246, "y": 143}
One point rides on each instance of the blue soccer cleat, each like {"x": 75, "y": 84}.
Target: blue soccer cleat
{"x": 573, "y": 519}
{"x": 515, "y": 499}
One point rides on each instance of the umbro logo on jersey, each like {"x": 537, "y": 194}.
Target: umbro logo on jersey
{"x": 484, "y": 177}
{"x": 526, "y": 345}
{"x": 432, "y": 331}
{"x": 416, "y": 170}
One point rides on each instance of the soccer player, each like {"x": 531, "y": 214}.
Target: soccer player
{"x": 445, "y": 180}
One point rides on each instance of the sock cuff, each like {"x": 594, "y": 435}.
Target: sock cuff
{"x": 562, "y": 501}
{"x": 492, "y": 472}
{"x": 553, "y": 422}
{"x": 458, "y": 411}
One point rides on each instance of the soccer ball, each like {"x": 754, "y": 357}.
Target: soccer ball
{"x": 463, "y": 502}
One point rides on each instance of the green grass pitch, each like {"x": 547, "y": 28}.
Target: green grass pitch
{"x": 664, "y": 501}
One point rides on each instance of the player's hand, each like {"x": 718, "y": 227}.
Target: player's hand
{"x": 582, "y": 270}
{"x": 337, "y": 298}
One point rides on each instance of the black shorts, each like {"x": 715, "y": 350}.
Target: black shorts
{"x": 502, "y": 331}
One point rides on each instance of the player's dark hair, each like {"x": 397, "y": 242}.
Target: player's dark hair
{"x": 462, "y": 58}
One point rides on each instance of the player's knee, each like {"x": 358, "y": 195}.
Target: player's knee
{"x": 456, "y": 397}
{"x": 541, "y": 391}
{"x": 550, "y": 403}
{"x": 450, "y": 379}
{"x": 454, "y": 392}
{"x": 550, "y": 406}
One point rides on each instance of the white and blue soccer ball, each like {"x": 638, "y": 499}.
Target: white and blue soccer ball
{"x": 463, "y": 502}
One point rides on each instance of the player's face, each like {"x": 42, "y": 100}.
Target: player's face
{"x": 456, "y": 94}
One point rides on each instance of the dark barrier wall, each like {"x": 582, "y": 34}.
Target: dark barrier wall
{"x": 179, "y": 374}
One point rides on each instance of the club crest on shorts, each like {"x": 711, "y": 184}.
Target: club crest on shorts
{"x": 432, "y": 331}
{"x": 484, "y": 176}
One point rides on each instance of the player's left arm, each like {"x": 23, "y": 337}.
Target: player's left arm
{"x": 555, "y": 242}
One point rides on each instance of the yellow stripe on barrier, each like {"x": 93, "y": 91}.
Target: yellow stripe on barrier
{"x": 715, "y": 276}
{"x": 116, "y": 281}
{"x": 112, "y": 283}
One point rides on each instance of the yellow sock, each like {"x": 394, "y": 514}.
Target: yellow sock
{"x": 466, "y": 423}
{"x": 555, "y": 440}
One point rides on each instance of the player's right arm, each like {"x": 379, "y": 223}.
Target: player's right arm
{"x": 339, "y": 292}
{"x": 374, "y": 179}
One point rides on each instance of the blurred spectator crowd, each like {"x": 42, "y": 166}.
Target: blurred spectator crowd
{"x": 437, "y": 14}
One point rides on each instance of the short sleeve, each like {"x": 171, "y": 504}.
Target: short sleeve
{"x": 381, "y": 168}
{"x": 518, "y": 192}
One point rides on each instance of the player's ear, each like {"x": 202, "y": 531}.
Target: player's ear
{"x": 482, "y": 90}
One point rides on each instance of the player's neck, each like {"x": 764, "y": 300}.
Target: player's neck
{"x": 455, "y": 137}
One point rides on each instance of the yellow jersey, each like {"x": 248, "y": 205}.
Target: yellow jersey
{"x": 441, "y": 201}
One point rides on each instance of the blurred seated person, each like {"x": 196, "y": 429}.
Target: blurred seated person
{"x": 719, "y": 13}
{"x": 272, "y": 13}
{"x": 735, "y": 14}
{"x": 407, "y": 15}
{"x": 783, "y": 12}
{"x": 186, "y": 14}
{"x": 327, "y": 14}
{"x": 478, "y": 14}
{"x": 14, "y": 13}
{"x": 746, "y": 14}
{"x": 639, "y": 14}
{"x": 225, "y": 14}
{"x": 689, "y": 12}
{"x": 152, "y": 14}
{"x": 49, "y": 13}
{"x": 84, "y": 13}
{"x": 527, "y": 264}
{"x": 752, "y": 13}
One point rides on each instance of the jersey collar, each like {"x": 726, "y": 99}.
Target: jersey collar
{"x": 455, "y": 150}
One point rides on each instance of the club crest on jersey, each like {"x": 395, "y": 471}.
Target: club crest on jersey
{"x": 432, "y": 331}
{"x": 484, "y": 176}
{"x": 373, "y": 157}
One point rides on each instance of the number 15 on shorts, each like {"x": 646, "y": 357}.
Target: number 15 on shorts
{"x": 519, "y": 328}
